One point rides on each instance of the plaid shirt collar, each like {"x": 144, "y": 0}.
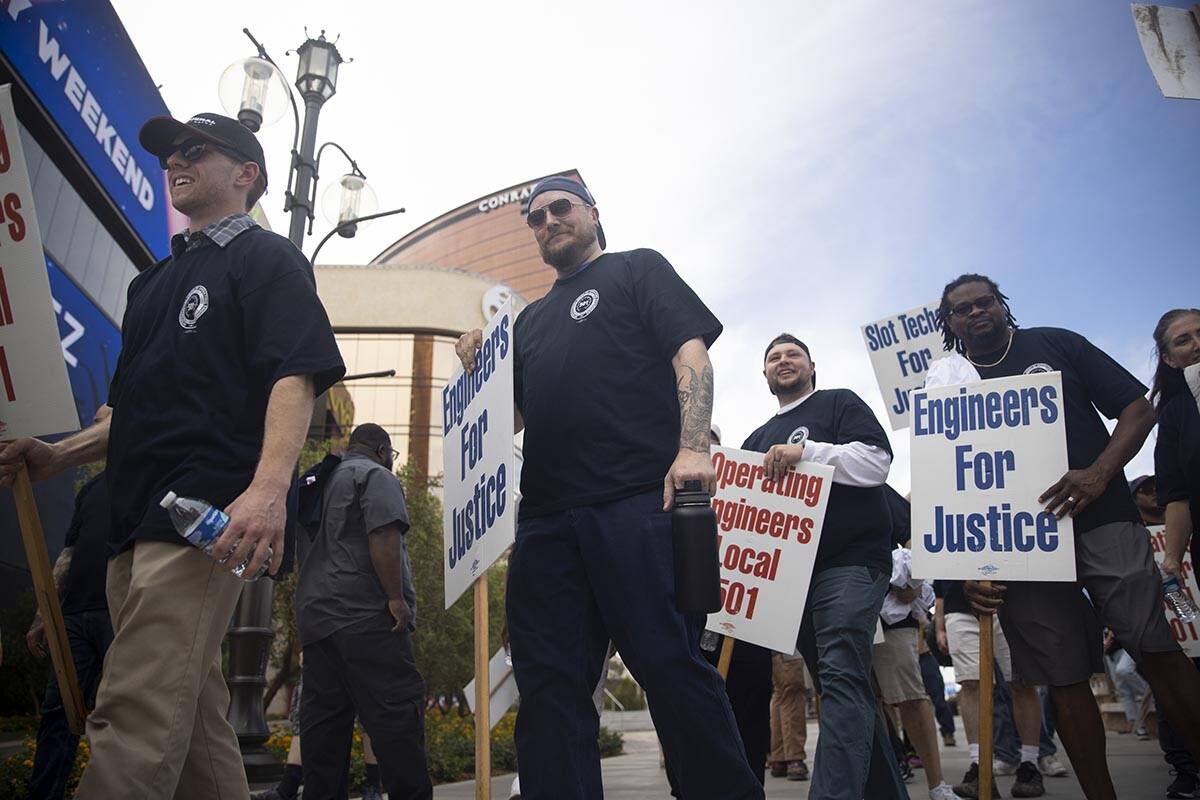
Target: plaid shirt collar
{"x": 220, "y": 233}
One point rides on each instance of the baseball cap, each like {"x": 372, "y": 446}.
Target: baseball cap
{"x": 161, "y": 134}
{"x": 1138, "y": 482}
{"x": 559, "y": 183}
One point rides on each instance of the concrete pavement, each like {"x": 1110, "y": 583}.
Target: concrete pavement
{"x": 1138, "y": 771}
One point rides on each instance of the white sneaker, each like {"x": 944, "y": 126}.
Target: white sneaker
{"x": 1051, "y": 767}
{"x": 943, "y": 792}
{"x": 515, "y": 792}
{"x": 1003, "y": 767}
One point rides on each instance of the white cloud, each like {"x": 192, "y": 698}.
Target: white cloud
{"x": 806, "y": 166}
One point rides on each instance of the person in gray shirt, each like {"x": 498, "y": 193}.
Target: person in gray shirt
{"x": 355, "y": 608}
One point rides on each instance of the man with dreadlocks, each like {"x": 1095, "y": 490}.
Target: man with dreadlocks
{"x": 1053, "y": 631}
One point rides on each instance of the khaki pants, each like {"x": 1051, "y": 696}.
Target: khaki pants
{"x": 159, "y": 728}
{"x": 789, "y": 727}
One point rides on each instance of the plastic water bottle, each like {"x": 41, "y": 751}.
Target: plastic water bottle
{"x": 1180, "y": 602}
{"x": 201, "y": 524}
{"x": 694, "y": 537}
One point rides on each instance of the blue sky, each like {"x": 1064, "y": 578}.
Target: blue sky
{"x": 806, "y": 166}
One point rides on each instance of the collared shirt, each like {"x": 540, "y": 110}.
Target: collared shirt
{"x": 339, "y": 589}
{"x": 207, "y": 334}
{"x": 220, "y": 233}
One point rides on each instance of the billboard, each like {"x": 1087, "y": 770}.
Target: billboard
{"x": 78, "y": 62}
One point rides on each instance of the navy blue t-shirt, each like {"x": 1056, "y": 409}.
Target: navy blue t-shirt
{"x": 900, "y": 512}
{"x": 206, "y": 335}
{"x": 84, "y": 587}
{"x": 594, "y": 382}
{"x": 1091, "y": 381}
{"x": 954, "y": 600}
{"x": 858, "y": 524}
{"x": 1177, "y": 458}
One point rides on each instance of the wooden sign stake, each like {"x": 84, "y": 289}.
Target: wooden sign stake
{"x": 726, "y": 657}
{"x": 47, "y": 601}
{"x": 483, "y": 728}
{"x": 986, "y": 682}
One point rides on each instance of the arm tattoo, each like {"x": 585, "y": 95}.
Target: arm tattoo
{"x": 62, "y": 566}
{"x": 695, "y": 406}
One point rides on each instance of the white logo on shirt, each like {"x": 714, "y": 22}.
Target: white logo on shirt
{"x": 1033, "y": 369}
{"x": 585, "y": 304}
{"x": 798, "y": 436}
{"x": 194, "y": 306}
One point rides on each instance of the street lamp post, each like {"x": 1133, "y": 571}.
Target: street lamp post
{"x": 249, "y": 89}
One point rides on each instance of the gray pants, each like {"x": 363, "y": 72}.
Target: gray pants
{"x": 1054, "y": 632}
{"x": 854, "y": 757}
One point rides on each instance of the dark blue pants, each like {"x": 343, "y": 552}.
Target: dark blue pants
{"x": 854, "y": 757}
{"x": 1175, "y": 749}
{"x": 1006, "y": 741}
{"x": 90, "y": 633}
{"x": 935, "y": 686}
{"x": 577, "y": 579}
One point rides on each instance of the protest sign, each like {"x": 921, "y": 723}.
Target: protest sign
{"x": 901, "y": 348}
{"x": 767, "y": 533}
{"x": 982, "y": 454}
{"x": 502, "y": 690}
{"x": 35, "y": 394}
{"x": 1186, "y": 633}
{"x": 478, "y": 523}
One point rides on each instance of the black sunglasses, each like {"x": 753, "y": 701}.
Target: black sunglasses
{"x": 983, "y": 303}
{"x": 194, "y": 149}
{"x": 559, "y": 208}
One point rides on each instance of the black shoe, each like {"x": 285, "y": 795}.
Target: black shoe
{"x": 797, "y": 771}
{"x": 1184, "y": 785}
{"x": 1029, "y": 781}
{"x": 969, "y": 788}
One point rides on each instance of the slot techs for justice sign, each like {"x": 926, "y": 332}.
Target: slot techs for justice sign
{"x": 478, "y": 523}
{"x": 35, "y": 394}
{"x": 1186, "y": 633}
{"x": 767, "y": 537}
{"x": 982, "y": 454}
{"x": 901, "y": 348}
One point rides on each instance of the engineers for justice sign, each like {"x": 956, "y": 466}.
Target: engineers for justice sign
{"x": 35, "y": 393}
{"x": 901, "y": 347}
{"x": 767, "y": 537}
{"x": 478, "y": 523}
{"x": 1186, "y": 633}
{"x": 982, "y": 454}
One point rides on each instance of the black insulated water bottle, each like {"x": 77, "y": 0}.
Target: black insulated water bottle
{"x": 694, "y": 535}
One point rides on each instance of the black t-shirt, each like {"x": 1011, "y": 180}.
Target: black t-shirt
{"x": 83, "y": 589}
{"x": 953, "y": 599}
{"x": 1177, "y": 458}
{"x": 206, "y": 335}
{"x": 858, "y": 525}
{"x": 1091, "y": 381}
{"x": 901, "y": 515}
{"x": 594, "y": 381}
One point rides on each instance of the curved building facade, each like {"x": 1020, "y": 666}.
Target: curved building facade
{"x": 405, "y": 310}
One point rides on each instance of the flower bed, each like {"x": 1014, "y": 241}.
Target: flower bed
{"x": 449, "y": 744}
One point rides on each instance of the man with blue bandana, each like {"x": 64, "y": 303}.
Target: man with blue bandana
{"x": 614, "y": 387}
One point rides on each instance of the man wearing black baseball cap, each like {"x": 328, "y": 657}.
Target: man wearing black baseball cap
{"x": 614, "y": 387}
{"x": 224, "y": 346}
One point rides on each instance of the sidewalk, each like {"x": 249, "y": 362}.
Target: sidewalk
{"x": 1137, "y": 767}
